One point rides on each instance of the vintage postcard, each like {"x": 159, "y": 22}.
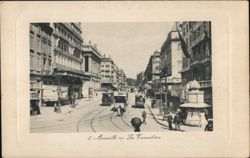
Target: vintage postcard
{"x": 124, "y": 79}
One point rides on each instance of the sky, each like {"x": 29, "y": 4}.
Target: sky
{"x": 129, "y": 44}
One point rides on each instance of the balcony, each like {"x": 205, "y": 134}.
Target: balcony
{"x": 66, "y": 68}
{"x": 46, "y": 72}
{"x": 59, "y": 50}
{"x": 67, "y": 25}
{"x": 34, "y": 95}
{"x": 61, "y": 36}
{"x": 35, "y": 85}
{"x": 205, "y": 83}
{"x": 199, "y": 62}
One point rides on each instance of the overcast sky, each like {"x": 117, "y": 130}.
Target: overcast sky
{"x": 129, "y": 44}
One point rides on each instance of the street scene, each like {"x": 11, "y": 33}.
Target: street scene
{"x": 121, "y": 77}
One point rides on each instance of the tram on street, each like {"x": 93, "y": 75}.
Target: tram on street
{"x": 120, "y": 102}
{"x": 107, "y": 98}
{"x": 139, "y": 101}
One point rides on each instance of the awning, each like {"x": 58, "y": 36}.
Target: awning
{"x": 72, "y": 74}
{"x": 195, "y": 105}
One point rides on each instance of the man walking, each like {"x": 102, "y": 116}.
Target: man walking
{"x": 177, "y": 121}
{"x": 144, "y": 117}
{"x": 170, "y": 119}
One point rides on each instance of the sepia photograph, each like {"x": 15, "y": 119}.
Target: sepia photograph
{"x": 125, "y": 79}
{"x": 121, "y": 77}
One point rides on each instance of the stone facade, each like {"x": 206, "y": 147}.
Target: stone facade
{"x": 197, "y": 36}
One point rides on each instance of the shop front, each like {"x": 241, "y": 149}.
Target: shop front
{"x": 73, "y": 80}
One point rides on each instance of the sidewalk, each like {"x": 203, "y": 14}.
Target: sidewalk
{"x": 159, "y": 119}
{"x": 48, "y": 112}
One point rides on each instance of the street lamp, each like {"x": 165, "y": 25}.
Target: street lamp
{"x": 59, "y": 91}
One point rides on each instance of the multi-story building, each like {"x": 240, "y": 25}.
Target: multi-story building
{"x": 140, "y": 77}
{"x": 68, "y": 59}
{"x": 116, "y": 76}
{"x": 152, "y": 72}
{"x": 107, "y": 73}
{"x": 92, "y": 63}
{"x": 111, "y": 76}
{"x": 40, "y": 57}
{"x": 122, "y": 80}
{"x": 197, "y": 36}
{"x": 171, "y": 64}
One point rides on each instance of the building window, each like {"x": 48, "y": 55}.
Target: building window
{"x": 31, "y": 42}
{"x": 86, "y": 64}
{"x": 44, "y": 61}
{"x": 38, "y": 44}
{"x": 38, "y": 66}
{"x": 31, "y": 61}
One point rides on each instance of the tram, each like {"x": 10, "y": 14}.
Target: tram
{"x": 120, "y": 102}
{"x": 139, "y": 101}
{"x": 107, "y": 98}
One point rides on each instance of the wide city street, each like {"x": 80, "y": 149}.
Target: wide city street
{"x": 91, "y": 116}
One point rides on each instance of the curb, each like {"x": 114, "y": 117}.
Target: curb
{"x": 155, "y": 117}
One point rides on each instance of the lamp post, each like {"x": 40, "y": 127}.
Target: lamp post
{"x": 159, "y": 73}
{"x": 59, "y": 91}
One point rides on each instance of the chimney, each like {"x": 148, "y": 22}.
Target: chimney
{"x": 89, "y": 42}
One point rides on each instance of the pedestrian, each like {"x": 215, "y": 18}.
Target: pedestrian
{"x": 136, "y": 123}
{"x": 144, "y": 114}
{"x": 181, "y": 115}
{"x": 199, "y": 120}
{"x": 209, "y": 126}
{"x": 37, "y": 108}
{"x": 119, "y": 111}
{"x": 72, "y": 99}
{"x": 55, "y": 107}
{"x": 177, "y": 121}
{"x": 170, "y": 119}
